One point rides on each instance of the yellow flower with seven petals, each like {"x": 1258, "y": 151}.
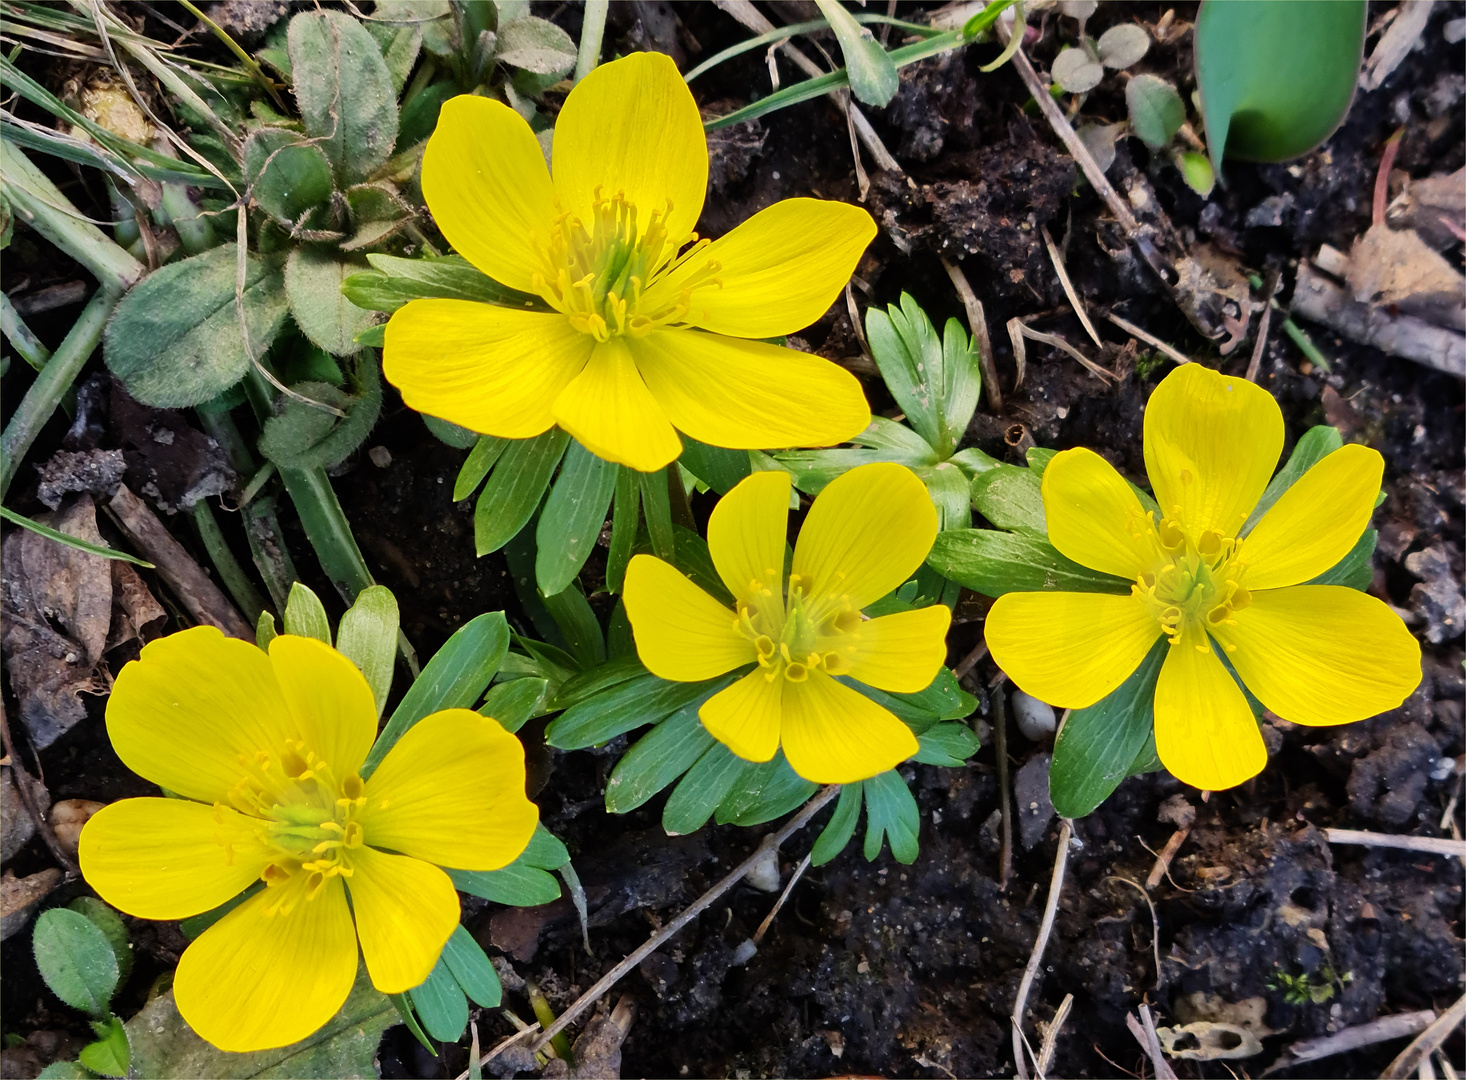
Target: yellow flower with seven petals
{"x": 265, "y": 752}
{"x": 645, "y": 336}
{"x": 1313, "y": 654}
{"x": 866, "y": 533}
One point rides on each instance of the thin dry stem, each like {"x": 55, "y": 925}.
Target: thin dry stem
{"x": 1035, "y": 960}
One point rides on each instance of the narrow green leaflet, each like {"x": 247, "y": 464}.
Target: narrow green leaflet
{"x": 572, "y": 518}
{"x": 440, "y": 1004}
{"x": 841, "y": 827}
{"x": 905, "y": 347}
{"x": 471, "y": 969}
{"x": 305, "y": 615}
{"x": 702, "y": 789}
{"x": 454, "y": 678}
{"x": 476, "y": 466}
{"x": 393, "y": 281}
{"x": 175, "y": 339}
{"x": 891, "y": 814}
{"x": 517, "y": 884}
{"x": 1312, "y": 447}
{"x": 994, "y": 563}
{"x": 662, "y": 754}
{"x": 950, "y": 491}
{"x": 368, "y": 638}
{"x": 588, "y": 684}
{"x": 719, "y": 468}
{"x": 516, "y": 702}
{"x": 515, "y": 488}
{"x": 873, "y": 77}
{"x": 1011, "y": 497}
{"x": 765, "y": 792}
{"x": 1356, "y": 569}
{"x": 578, "y": 625}
{"x": 656, "y": 505}
{"x": 70, "y": 541}
{"x": 645, "y": 699}
{"x": 625, "y": 521}
{"x": 1098, "y": 745}
{"x": 948, "y": 744}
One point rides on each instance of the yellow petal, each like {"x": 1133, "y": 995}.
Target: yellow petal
{"x": 1316, "y": 521}
{"x": 493, "y": 370}
{"x": 903, "y": 652}
{"x": 484, "y": 179}
{"x": 612, "y": 414}
{"x": 1205, "y": 733}
{"x": 406, "y": 910}
{"x": 1211, "y": 444}
{"x": 777, "y": 272}
{"x": 170, "y": 858}
{"x": 747, "y": 395}
{"x": 261, "y": 978}
{"x": 451, "y": 792}
{"x": 681, "y": 632}
{"x": 866, "y": 533}
{"x": 1094, "y": 517}
{"x": 195, "y": 702}
{"x": 835, "y": 735}
{"x": 747, "y": 535}
{"x": 632, "y": 127}
{"x": 1322, "y": 654}
{"x": 331, "y": 700}
{"x": 745, "y": 717}
{"x": 1069, "y": 649}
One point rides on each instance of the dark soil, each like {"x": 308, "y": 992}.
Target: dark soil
{"x": 880, "y": 968}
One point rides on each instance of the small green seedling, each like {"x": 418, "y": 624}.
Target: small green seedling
{"x": 1303, "y": 988}
{"x": 84, "y": 956}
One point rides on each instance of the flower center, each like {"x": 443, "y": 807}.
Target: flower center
{"x": 599, "y": 273}
{"x": 1194, "y": 584}
{"x": 805, "y": 636}
{"x": 309, "y": 817}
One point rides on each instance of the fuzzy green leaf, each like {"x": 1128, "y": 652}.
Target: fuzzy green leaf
{"x": 345, "y": 92}
{"x": 367, "y": 637}
{"x": 174, "y": 340}
{"x": 536, "y": 45}
{"x": 1156, "y": 110}
{"x": 287, "y": 175}
{"x": 313, "y": 278}
{"x": 75, "y": 959}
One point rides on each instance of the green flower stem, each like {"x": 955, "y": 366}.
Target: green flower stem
{"x": 20, "y": 337}
{"x": 592, "y": 30}
{"x": 250, "y": 602}
{"x": 193, "y": 229}
{"x": 261, "y": 525}
{"x": 51, "y": 384}
{"x": 40, "y": 204}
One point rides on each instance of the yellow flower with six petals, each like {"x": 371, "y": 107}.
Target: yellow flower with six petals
{"x": 265, "y": 752}
{"x": 866, "y": 533}
{"x": 648, "y": 333}
{"x": 1313, "y": 654}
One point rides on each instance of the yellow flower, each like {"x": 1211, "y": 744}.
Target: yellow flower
{"x": 265, "y": 752}
{"x": 1313, "y": 654}
{"x": 865, "y": 535}
{"x": 642, "y": 339}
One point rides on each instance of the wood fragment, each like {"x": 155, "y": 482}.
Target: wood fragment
{"x": 1381, "y": 1030}
{"x": 1168, "y": 351}
{"x": 1319, "y": 299}
{"x": 763, "y": 927}
{"x": 195, "y": 589}
{"x": 1424, "y": 1044}
{"x": 1068, "y": 287}
{"x": 1259, "y": 346}
{"x": 977, "y": 320}
{"x": 1051, "y": 1036}
{"x": 1017, "y": 331}
{"x": 1150, "y": 1042}
{"x": 1162, "y": 865}
{"x": 1435, "y": 845}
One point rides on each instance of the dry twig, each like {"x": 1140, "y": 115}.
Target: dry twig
{"x": 977, "y": 320}
{"x": 1068, "y": 286}
{"x": 1035, "y": 960}
{"x": 1145, "y": 1035}
{"x": 1435, "y": 845}
{"x": 1352, "y": 1038}
{"x": 701, "y": 904}
{"x": 1169, "y": 351}
{"x": 1419, "y": 1050}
